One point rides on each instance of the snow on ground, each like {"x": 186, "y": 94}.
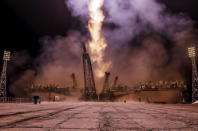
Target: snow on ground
{"x": 94, "y": 116}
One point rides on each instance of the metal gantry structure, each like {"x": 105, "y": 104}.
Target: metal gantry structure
{"x": 74, "y": 81}
{"x": 105, "y": 94}
{"x": 3, "y": 86}
{"x": 114, "y": 85}
{"x": 106, "y": 83}
{"x": 192, "y": 55}
{"x": 89, "y": 82}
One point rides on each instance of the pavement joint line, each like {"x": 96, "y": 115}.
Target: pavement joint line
{"x": 58, "y": 124}
{"x": 35, "y": 117}
{"x": 170, "y": 118}
{"x": 105, "y": 124}
{"x": 107, "y": 112}
{"x": 129, "y": 118}
{"x": 20, "y": 113}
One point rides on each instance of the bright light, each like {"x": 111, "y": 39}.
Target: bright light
{"x": 97, "y": 44}
{"x": 6, "y": 55}
{"x": 191, "y": 52}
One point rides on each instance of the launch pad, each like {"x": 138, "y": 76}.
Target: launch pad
{"x": 154, "y": 92}
{"x": 86, "y": 116}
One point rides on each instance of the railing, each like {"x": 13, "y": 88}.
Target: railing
{"x": 28, "y": 100}
{"x": 14, "y": 100}
{"x": 52, "y": 99}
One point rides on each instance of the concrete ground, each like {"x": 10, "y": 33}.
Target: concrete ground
{"x": 90, "y": 116}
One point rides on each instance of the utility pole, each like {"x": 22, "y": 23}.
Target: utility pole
{"x": 3, "y": 87}
{"x": 192, "y": 55}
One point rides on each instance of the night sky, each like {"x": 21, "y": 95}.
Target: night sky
{"x": 24, "y": 22}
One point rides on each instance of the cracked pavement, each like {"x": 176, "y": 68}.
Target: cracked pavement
{"x": 94, "y": 116}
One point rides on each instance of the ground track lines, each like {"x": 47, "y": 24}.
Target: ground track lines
{"x": 12, "y": 124}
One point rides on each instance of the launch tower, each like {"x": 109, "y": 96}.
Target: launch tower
{"x": 89, "y": 82}
{"x": 106, "y": 89}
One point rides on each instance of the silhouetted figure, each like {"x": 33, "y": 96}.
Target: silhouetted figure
{"x": 36, "y": 99}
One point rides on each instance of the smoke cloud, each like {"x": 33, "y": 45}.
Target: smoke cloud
{"x": 145, "y": 42}
{"x": 141, "y": 38}
{"x": 132, "y": 17}
{"x": 61, "y": 56}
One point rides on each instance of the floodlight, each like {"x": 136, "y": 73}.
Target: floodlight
{"x": 6, "y": 55}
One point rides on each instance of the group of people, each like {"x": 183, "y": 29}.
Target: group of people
{"x": 163, "y": 85}
{"x": 49, "y": 88}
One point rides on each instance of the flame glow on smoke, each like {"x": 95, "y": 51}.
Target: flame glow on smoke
{"x": 97, "y": 44}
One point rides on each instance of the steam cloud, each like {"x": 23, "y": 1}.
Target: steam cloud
{"x": 132, "y": 17}
{"x": 61, "y": 56}
{"x": 145, "y": 42}
{"x": 142, "y": 38}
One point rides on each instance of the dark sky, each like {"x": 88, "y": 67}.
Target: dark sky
{"x": 23, "y": 22}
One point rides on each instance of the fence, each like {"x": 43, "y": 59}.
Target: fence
{"x": 14, "y": 100}
{"x": 28, "y": 100}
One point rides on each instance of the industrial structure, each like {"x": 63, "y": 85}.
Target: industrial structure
{"x": 192, "y": 55}
{"x": 74, "y": 81}
{"x": 114, "y": 85}
{"x": 89, "y": 82}
{"x": 3, "y": 88}
{"x": 105, "y": 94}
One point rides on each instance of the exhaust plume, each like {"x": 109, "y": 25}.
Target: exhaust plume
{"x": 97, "y": 44}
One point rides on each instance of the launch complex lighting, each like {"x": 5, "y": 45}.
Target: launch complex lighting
{"x": 191, "y": 52}
{"x": 6, "y": 56}
{"x": 3, "y": 88}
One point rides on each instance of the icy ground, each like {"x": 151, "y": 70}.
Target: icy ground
{"x": 90, "y": 116}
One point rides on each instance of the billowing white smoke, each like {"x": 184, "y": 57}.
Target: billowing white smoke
{"x": 131, "y": 17}
{"x": 148, "y": 58}
{"x": 79, "y": 8}
{"x": 61, "y": 56}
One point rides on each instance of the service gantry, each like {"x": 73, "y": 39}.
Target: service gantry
{"x": 106, "y": 89}
{"x": 114, "y": 85}
{"x": 89, "y": 82}
{"x": 74, "y": 81}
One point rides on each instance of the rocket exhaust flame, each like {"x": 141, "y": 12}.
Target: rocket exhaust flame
{"x": 97, "y": 44}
